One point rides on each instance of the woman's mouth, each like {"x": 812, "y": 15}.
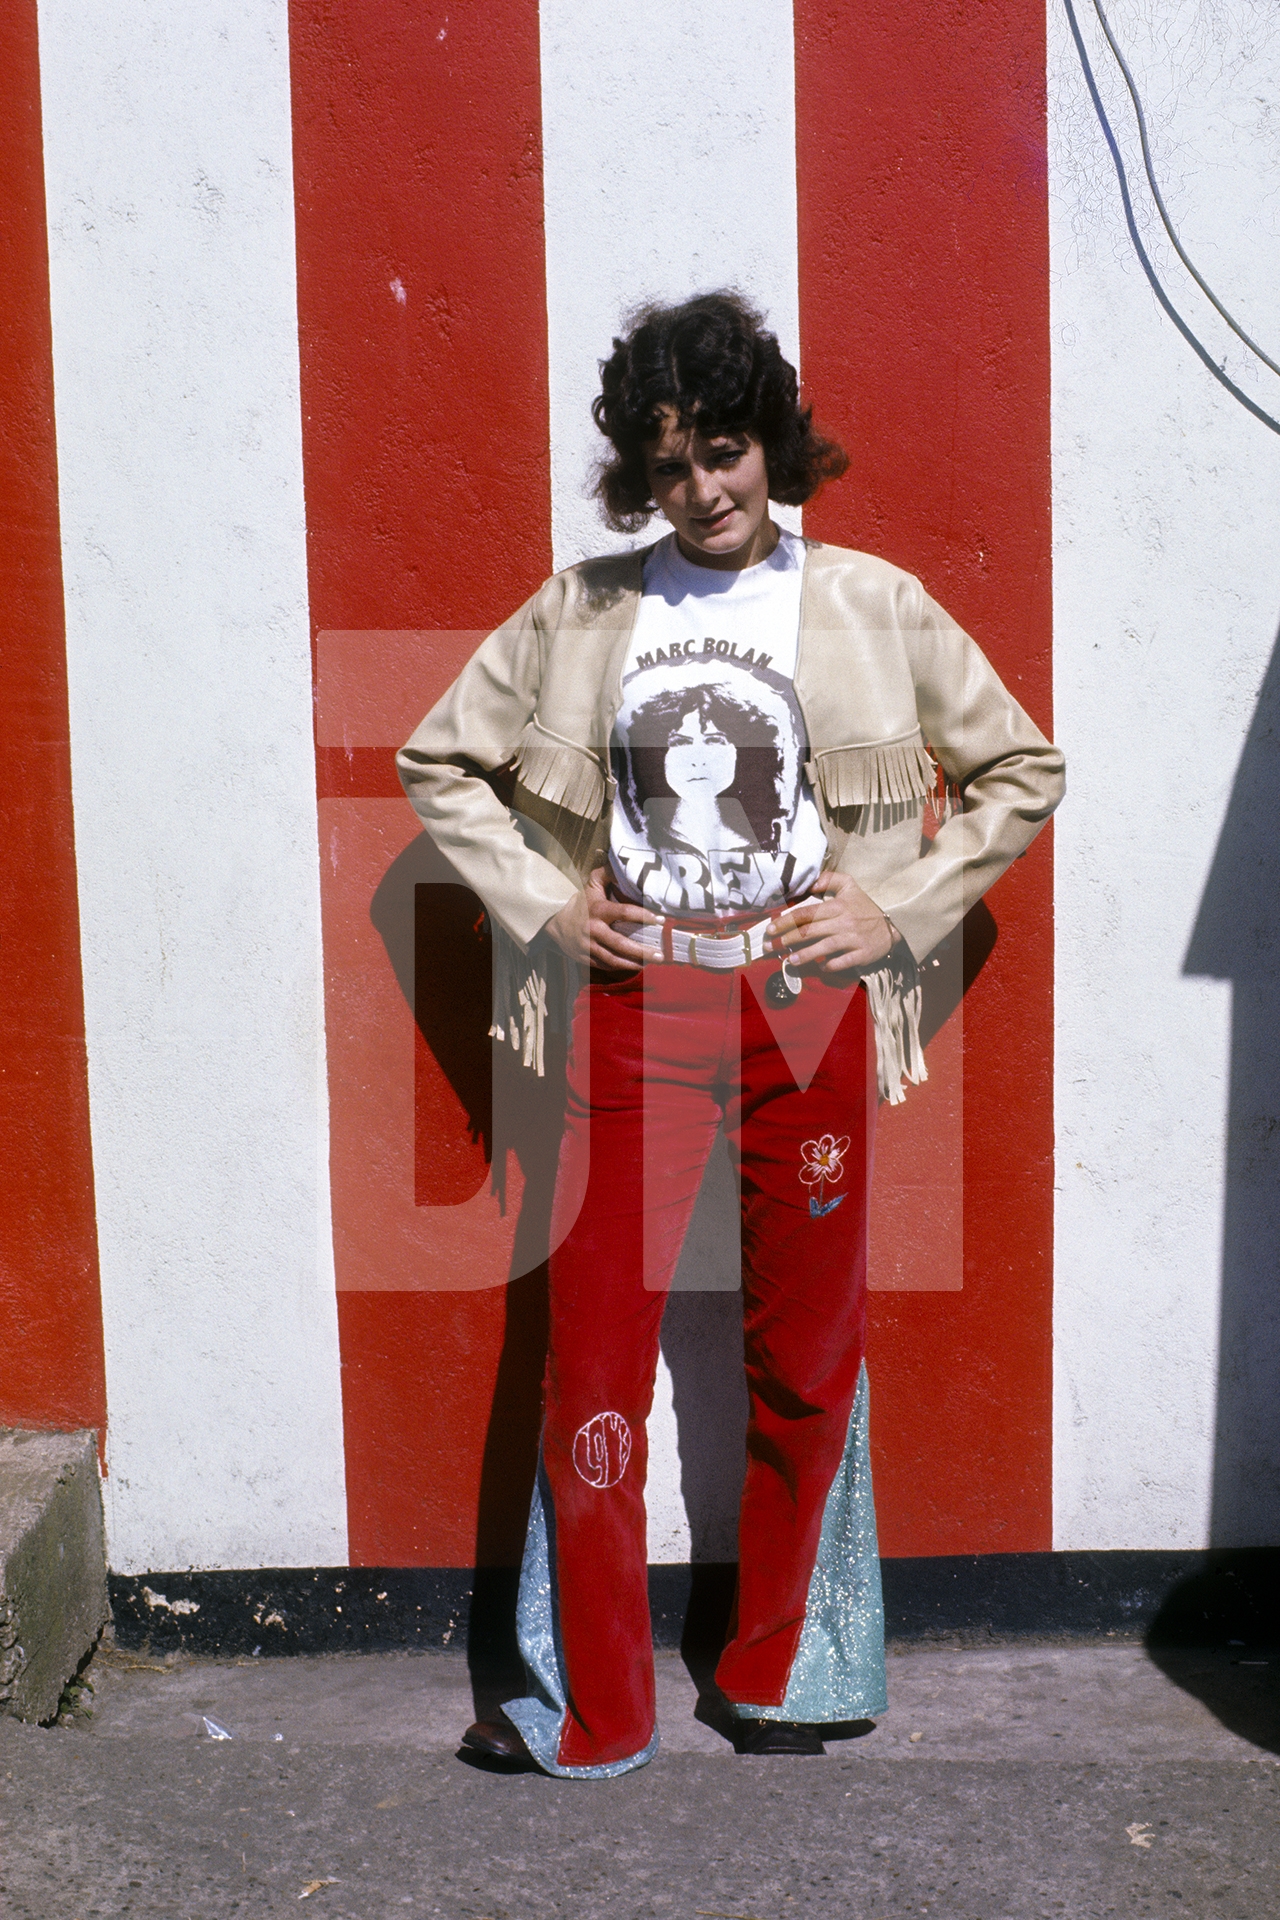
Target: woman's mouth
{"x": 710, "y": 521}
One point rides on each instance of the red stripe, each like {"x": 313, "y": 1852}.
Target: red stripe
{"x": 422, "y": 314}
{"x": 924, "y": 311}
{"x": 357, "y": 773}
{"x": 50, "y": 1307}
{"x": 418, "y": 171}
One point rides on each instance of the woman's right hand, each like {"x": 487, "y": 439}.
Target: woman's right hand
{"x": 586, "y": 928}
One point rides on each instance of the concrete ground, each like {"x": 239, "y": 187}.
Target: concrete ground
{"x": 1006, "y": 1783}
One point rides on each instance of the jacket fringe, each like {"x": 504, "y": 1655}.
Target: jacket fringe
{"x": 894, "y": 993}
{"x": 533, "y": 993}
{"x": 560, "y": 773}
{"x": 893, "y": 774}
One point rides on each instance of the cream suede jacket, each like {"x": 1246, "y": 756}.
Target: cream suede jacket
{"x": 887, "y": 684}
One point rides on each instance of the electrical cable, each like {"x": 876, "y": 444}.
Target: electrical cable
{"x": 1163, "y": 211}
{"x": 1201, "y": 351}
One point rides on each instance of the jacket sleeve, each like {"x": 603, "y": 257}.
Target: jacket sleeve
{"x": 1011, "y": 779}
{"x": 475, "y": 729}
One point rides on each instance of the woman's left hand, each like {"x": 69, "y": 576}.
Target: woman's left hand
{"x": 835, "y": 926}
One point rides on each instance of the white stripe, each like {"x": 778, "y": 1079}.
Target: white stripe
{"x": 168, "y": 158}
{"x": 668, "y": 139}
{"x": 1167, "y": 580}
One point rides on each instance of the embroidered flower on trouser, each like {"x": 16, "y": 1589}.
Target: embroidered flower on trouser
{"x": 823, "y": 1160}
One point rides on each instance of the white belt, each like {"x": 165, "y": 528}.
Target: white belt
{"x": 716, "y": 951}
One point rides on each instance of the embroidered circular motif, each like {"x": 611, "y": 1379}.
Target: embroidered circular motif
{"x": 601, "y": 1449}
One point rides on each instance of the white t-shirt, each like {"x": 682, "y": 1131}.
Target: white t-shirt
{"x": 713, "y": 813}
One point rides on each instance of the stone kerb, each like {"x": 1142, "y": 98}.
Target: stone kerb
{"x": 53, "y": 1576}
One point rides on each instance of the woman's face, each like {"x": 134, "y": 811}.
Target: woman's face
{"x": 701, "y": 761}
{"x": 714, "y": 490}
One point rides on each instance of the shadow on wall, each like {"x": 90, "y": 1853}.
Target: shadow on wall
{"x": 1237, "y": 938}
{"x": 473, "y": 1104}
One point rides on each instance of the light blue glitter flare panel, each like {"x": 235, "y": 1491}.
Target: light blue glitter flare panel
{"x": 539, "y": 1715}
{"x": 838, "y": 1672}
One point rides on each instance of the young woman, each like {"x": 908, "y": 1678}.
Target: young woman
{"x": 721, "y": 748}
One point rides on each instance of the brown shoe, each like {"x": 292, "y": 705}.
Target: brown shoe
{"x": 778, "y": 1736}
{"x": 498, "y": 1739}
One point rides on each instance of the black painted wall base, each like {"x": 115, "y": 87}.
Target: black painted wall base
{"x": 1174, "y": 1598}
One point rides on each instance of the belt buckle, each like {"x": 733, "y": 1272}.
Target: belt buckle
{"x": 724, "y": 943}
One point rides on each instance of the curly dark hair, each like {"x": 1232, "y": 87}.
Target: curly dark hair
{"x": 714, "y": 361}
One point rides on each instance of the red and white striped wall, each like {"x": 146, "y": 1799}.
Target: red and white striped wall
{"x": 305, "y": 312}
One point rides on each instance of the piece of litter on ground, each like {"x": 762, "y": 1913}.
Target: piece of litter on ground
{"x": 314, "y": 1886}
{"x": 1138, "y": 1834}
{"x": 277, "y": 1736}
{"x": 214, "y": 1731}
{"x": 915, "y": 1737}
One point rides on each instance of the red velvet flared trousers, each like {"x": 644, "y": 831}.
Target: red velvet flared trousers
{"x": 660, "y": 1059}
